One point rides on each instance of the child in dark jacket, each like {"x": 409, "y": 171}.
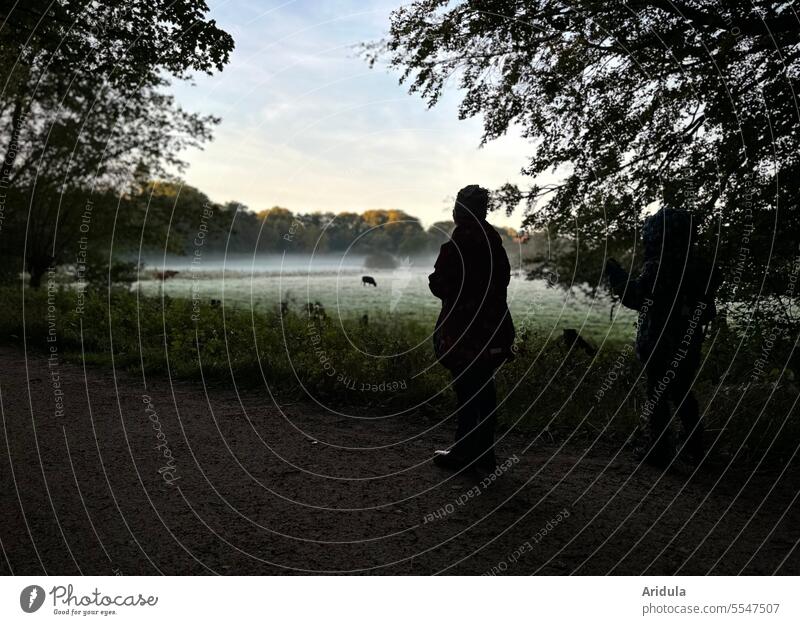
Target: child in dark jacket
{"x": 674, "y": 295}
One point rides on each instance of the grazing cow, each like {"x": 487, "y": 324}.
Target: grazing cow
{"x": 365, "y": 280}
{"x": 365, "y": 319}
{"x": 166, "y": 274}
{"x": 571, "y": 337}
{"x": 215, "y": 303}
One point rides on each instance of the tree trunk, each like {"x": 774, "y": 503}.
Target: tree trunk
{"x": 36, "y": 279}
{"x": 37, "y": 268}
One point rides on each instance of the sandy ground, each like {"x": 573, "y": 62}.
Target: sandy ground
{"x": 260, "y": 489}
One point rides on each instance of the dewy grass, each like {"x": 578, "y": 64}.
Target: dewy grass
{"x": 382, "y": 363}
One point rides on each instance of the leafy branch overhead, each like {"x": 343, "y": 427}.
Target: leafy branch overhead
{"x": 626, "y": 104}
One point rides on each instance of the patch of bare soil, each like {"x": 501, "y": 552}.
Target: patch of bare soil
{"x": 87, "y": 486}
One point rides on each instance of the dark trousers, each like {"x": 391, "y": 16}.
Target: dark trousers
{"x": 477, "y": 412}
{"x": 668, "y": 385}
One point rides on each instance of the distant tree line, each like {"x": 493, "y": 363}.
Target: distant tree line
{"x": 234, "y": 228}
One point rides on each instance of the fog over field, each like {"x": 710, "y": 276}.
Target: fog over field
{"x": 334, "y": 281}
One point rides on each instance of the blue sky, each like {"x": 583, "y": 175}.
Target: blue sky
{"x": 306, "y": 124}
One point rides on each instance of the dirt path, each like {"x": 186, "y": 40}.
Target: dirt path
{"x": 267, "y": 490}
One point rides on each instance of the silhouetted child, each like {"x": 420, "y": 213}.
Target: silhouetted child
{"x": 675, "y": 298}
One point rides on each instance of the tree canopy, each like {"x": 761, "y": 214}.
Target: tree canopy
{"x": 85, "y": 109}
{"x": 629, "y": 105}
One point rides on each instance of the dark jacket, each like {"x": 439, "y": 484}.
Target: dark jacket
{"x": 674, "y": 297}
{"x": 674, "y": 293}
{"x": 471, "y": 277}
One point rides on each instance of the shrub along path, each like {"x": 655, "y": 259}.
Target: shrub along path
{"x": 100, "y": 475}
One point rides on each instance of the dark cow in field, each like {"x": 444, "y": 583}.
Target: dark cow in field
{"x": 365, "y": 280}
{"x": 166, "y": 274}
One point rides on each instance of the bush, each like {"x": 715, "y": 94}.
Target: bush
{"x": 380, "y": 260}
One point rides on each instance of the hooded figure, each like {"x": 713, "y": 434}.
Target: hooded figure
{"x": 474, "y": 332}
{"x": 674, "y": 295}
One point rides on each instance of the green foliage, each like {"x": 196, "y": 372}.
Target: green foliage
{"x": 118, "y": 39}
{"x": 235, "y": 229}
{"x": 115, "y": 273}
{"x": 628, "y": 106}
{"x": 84, "y": 112}
{"x": 548, "y": 388}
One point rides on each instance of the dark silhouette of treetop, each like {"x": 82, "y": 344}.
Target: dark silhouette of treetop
{"x": 690, "y": 104}
{"x": 85, "y": 110}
